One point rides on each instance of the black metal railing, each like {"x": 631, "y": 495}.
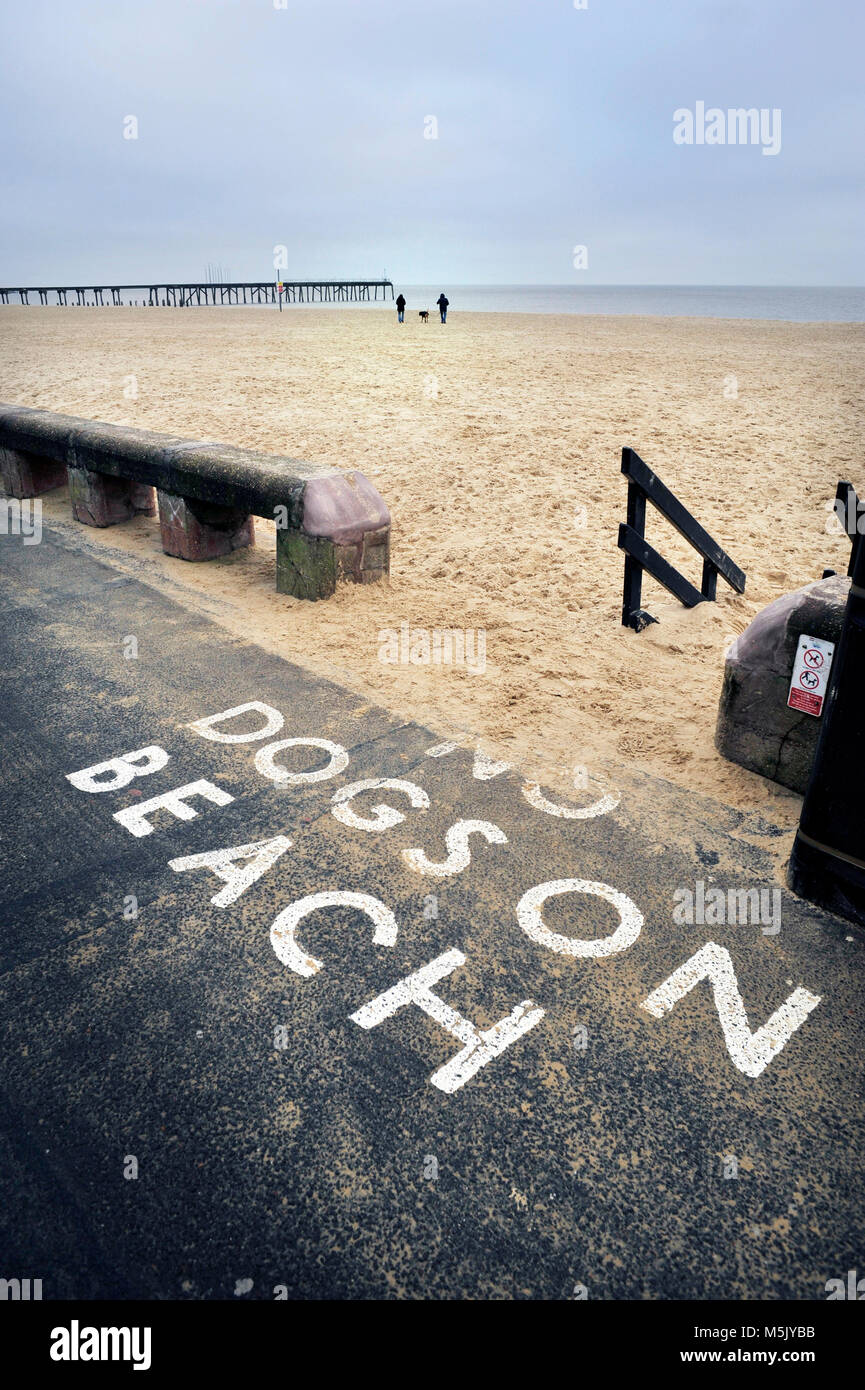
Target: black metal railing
{"x": 852, "y": 520}
{"x": 644, "y": 486}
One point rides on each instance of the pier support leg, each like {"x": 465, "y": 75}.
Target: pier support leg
{"x": 28, "y": 475}
{"x": 199, "y": 530}
{"x": 99, "y": 499}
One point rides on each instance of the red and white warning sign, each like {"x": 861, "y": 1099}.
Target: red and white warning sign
{"x": 810, "y": 674}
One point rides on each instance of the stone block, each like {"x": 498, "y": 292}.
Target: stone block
{"x": 99, "y": 499}
{"x": 28, "y": 475}
{"x": 193, "y": 530}
{"x": 306, "y": 566}
{"x": 375, "y": 563}
{"x": 144, "y": 499}
{"x": 755, "y": 727}
{"x": 365, "y": 561}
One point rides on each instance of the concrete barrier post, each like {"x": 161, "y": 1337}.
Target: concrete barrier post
{"x": 200, "y": 530}
{"x": 99, "y": 499}
{"x": 344, "y": 535}
{"x": 28, "y": 475}
{"x": 756, "y": 726}
{"x": 367, "y": 560}
{"x": 827, "y": 865}
{"x": 305, "y": 565}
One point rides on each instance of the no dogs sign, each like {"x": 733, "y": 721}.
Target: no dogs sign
{"x": 810, "y": 674}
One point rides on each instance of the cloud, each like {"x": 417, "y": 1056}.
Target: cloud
{"x": 305, "y": 127}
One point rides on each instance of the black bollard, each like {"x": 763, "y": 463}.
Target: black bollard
{"x": 827, "y": 865}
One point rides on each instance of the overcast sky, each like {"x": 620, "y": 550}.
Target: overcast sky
{"x": 305, "y": 127}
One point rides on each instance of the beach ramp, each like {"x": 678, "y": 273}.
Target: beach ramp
{"x": 300, "y": 1001}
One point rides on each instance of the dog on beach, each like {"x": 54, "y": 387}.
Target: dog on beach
{"x": 423, "y": 315}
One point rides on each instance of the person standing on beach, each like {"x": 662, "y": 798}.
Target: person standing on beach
{"x": 400, "y": 308}
{"x": 443, "y": 303}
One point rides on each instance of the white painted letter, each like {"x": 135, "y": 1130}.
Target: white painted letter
{"x": 262, "y": 853}
{"x": 534, "y": 796}
{"x": 457, "y": 841}
{"x": 125, "y": 769}
{"x": 384, "y": 817}
{"x": 478, "y": 1047}
{"x": 751, "y": 1052}
{"x": 134, "y": 818}
{"x": 626, "y": 933}
{"x": 485, "y": 768}
{"x": 205, "y": 727}
{"x": 268, "y": 768}
{"x": 282, "y": 933}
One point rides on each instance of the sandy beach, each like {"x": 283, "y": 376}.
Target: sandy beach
{"x": 496, "y": 442}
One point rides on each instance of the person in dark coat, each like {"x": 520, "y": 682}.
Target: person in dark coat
{"x": 400, "y": 308}
{"x": 443, "y": 303}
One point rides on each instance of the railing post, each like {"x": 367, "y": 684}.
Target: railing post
{"x": 847, "y": 496}
{"x": 633, "y": 569}
{"x": 827, "y": 865}
{"x": 709, "y": 586}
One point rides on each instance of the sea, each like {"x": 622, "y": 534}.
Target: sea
{"x": 797, "y": 304}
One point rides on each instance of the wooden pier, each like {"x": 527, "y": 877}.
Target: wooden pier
{"x": 179, "y": 296}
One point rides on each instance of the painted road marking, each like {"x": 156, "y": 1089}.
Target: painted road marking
{"x": 337, "y": 761}
{"x": 134, "y": 818}
{"x": 262, "y": 853}
{"x": 207, "y": 727}
{"x": 479, "y": 1047}
{"x": 626, "y": 933}
{"x": 383, "y": 817}
{"x": 484, "y": 768}
{"x": 457, "y": 842}
{"x": 239, "y": 867}
{"x": 751, "y": 1052}
{"x": 535, "y": 797}
{"x": 282, "y": 932}
{"x": 125, "y": 769}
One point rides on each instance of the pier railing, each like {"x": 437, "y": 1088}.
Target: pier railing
{"x": 180, "y": 295}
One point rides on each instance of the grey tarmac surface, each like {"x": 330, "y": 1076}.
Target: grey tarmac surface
{"x": 331, "y": 1165}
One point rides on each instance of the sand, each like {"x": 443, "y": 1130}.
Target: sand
{"x": 496, "y": 441}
